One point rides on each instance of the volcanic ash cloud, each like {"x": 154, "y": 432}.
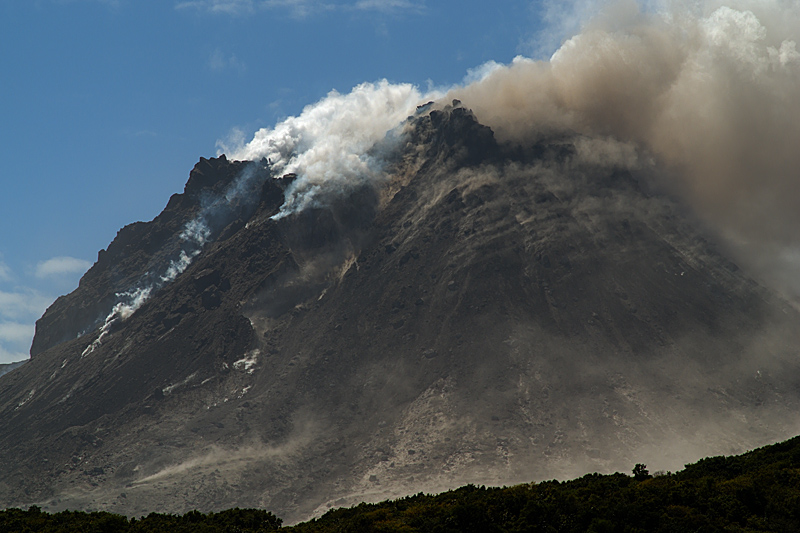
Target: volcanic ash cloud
{"x": 710, "y": 91}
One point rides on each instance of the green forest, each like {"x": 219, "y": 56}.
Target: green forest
{"x": 757, "y": 491}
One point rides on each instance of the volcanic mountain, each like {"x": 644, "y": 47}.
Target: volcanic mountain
{"x": 486, "y": 313}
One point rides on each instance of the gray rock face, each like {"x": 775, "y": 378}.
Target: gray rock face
{"x": 487, "y": 315}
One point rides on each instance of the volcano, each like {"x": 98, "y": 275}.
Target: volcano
{"x": 484, "y": 313}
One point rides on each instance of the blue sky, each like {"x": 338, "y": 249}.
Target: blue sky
{"x": 107, "y": 104}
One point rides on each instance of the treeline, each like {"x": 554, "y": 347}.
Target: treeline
{"x": 754, "y": 492}
{"x": 231, "y": 521}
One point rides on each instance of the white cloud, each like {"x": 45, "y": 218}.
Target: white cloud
{"x": 18, "y": 312}
{"x": 5, "y": 272}
{"x": 58, "y": 266}
{"x": 21, "y": 305}
{"x": 300, "y": 8}
{"x": 110, "y": 3}
{"x": 233, "y": 7}
{"x": 390, "y": 5}
{"x": 14, "y": 332}
{"x": 12, "y": 356}
{"x": 218, "y": 62}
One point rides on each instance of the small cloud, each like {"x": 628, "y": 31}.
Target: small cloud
{"x": 233, "y": 143}
{"x": 300, "y": 8}
{"x": 231, "y": 7}
{"x": 218, "y": 61}
{"x": 389, "y": 6}
{"x": 22, "y": 304}
{"x": 140, "y": 134}
{"x": 18, "y": 313}
{"x": 110, "y": 3}
{"x": 58, "y": 266}
{"x": 297, "y": 8}
{"x": 12, "y": 356}
{"x": 14, "y": 332}
{"x": 5, "y": 272}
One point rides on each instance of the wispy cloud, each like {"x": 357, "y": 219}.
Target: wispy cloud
{"x": 14, "y": 332}
{"x": 390, "y": 6}
{"x": 233, "y": 7}
{"x": 301, "y": 8}
{"x": 59, "y": 266}
{"x": 19, "y": 310}
{"x": 219, "y": 61}
{"x": 5, "y": 272}
{"x": 22, "y": 304}
{"x": 110, "y": 3}
{"x": 11, "y": 356}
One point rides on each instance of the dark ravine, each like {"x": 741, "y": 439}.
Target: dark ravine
{"x": 489, "y": 315}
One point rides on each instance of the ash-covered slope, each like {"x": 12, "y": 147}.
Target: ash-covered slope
{"x": 485, "y": 314}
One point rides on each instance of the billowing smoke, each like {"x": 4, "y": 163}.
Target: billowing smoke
{"x": 330, "y": 146}
{"x": 710, "y": 91}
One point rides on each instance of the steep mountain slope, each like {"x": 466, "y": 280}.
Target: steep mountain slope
{"x": 485, "y": 314}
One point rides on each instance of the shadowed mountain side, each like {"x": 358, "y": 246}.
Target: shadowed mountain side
{"x": 137, "y": 252}
{"x": 482, "y": 316}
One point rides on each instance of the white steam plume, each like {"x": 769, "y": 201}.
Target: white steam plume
{"x": 710, "y": 89}
{"x": 327, "y": 145}
{"x": 128, "y": 303}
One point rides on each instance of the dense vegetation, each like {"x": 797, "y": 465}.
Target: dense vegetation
{"x": 231, "y": 521}
{"x": 757, "y": 491}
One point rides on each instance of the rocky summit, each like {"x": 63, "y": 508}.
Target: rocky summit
{"x": 484, "y": 313}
